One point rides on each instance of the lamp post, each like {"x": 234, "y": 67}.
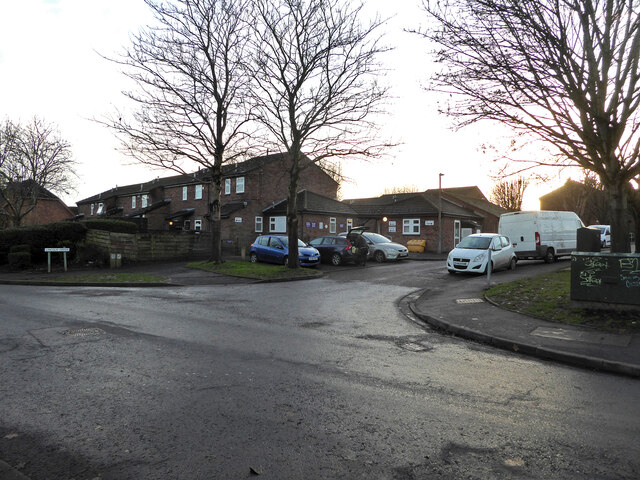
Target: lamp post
{"x": 440, "y": 175}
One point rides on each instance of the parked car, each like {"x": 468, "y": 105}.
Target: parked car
{"x": 544, "y": 234}
{"x": 472, "y": 254}
{"x": 333, "y": 249}
{"x": 275, "y": 249}
{"x": 380, "y": 247}
{"x": 605, "y": 234}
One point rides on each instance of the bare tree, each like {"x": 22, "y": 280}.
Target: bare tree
{"x": 315, "y": 69}
{"x": 401, "y": 189}
{"x": 564, "y": 72}
{"x": 509, "y": 194}
{"x": 34, "y": 160}
{"x": 190, "y": 96}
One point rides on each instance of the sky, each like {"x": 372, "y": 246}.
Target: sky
{"x": 51, "y": 66}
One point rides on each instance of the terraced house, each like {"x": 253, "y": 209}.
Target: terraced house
{"x": 254, "y": 201}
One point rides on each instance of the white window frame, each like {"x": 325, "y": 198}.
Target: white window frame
{"x": 93, "y": 206}
{"x": 185, "y": 193}
{"x": 144, "y": 201}
{"x": 133, "y": 202}
{"x": 457, "y": 232}
{"x": 278, "y": 224}
{"x": 258, "y": 225}
{"x": 197, "y": 225}
{"x": 227, "y": 186}
{"x": 332, "y": 225}
{"x": 411, "y": 226}
{"x": 100, "y": 209}
{"x": 198, "y": 195}
{"x": 240, "y": 185}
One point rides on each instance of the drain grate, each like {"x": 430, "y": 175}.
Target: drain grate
{"x": 83, "y": 332}
{"x": 469, "y": 300}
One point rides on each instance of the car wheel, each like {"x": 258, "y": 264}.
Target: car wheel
{"x": 336, "y": 259}
{"x": 285, "y": 262}
{"x": 379, "y": 256}
{"x": 512, "y": 265}
{"x": 549, "y": 257}
{"x": 253, "y": 258}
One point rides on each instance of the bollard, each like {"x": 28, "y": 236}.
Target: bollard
{"x": 489, "y": 268}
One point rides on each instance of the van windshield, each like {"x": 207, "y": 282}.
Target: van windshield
{"x": 476, "y": 243}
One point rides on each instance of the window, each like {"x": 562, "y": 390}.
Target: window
{"x": 240, "y": 185}
{"x": 411, "y": 226}
{"x": 227, "y": 186}
{"x": 505, "y": 242}
{"x": 92, "y": 207}
{"x": 197, "y": 225}
{"x": 332, "y": 225}
{"x": 100, "y": 208}
{"x": 278, "y": 224}
{"x": 349, "y": 224}
{"x": 264, "y": 241}
{"x": 186, "y": 225}
{"x": 143, "y": 201}
{"x": 258, "y": 224}
{"x": 133, "y": 202}
{"x": 184, "y": 193}
{"x": 198, "y": 192}
{"x": 456, "y": 233}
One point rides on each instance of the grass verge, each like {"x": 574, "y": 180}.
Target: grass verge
{"x": 107, "y": 278}
{"x": 257, "y": 271}
{"x": 548, "y": 296}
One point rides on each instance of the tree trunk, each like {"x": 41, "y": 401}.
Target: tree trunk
{"x": 619, "y": 218}
{"x": 292, "y": 210}
{"x": 216, "y": 223}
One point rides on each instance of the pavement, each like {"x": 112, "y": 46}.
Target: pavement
{"x": 463, "y": 312}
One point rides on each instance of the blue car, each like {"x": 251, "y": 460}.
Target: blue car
{"x": 275, "y": 249}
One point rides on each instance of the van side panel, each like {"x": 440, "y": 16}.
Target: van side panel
{"x": 557, "y": 232}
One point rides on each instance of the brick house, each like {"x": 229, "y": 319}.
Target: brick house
{"x": 414, "y": 216}
{"x": 181, "y": 202}
{"x": 589, "y": 204}
{"x": 48, "y": 208}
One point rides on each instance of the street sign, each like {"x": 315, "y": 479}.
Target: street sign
{"x": 61, "y": 250}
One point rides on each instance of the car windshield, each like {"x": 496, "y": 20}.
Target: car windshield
{"x": 477, "y": 243}
{"x": 375, "y": 238}
{"x": 285, "y": 242}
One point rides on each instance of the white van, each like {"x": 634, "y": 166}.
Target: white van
{"x": 543, "y": 234}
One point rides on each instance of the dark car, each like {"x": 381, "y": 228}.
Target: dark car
{"x": 275, "y": 249}
{"x": 334, "y": 249}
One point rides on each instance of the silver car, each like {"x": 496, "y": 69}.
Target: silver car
{"x": 380, "y": 247}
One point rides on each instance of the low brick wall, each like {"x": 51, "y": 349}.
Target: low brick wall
{"x": 144, "y": 247}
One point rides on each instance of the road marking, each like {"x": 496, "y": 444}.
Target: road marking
{"x": 469, "y": 300}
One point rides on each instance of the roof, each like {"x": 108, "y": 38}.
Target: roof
{"x": 203, "y": 175}
{"x": 310, "y": 202}
{"x": 28, "y": 188}
{"x": 150, "y": 208}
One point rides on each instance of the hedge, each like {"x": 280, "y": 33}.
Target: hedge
{"x": 39, "y": 237}
{"x": 115, "y": 226}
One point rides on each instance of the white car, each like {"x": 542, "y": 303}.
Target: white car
{"x": 472, "y": 254}
{"x": 605, "y": 234}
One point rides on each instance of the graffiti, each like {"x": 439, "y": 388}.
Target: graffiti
{"x": 596, "y": 263}
{"x": 629, "y": 272}
{"x": 588, "y": 278}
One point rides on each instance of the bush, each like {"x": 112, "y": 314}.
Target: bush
{"x": 68, "y": 231}
{"x": 91, "y": 255}
{"x": 19, "y": 260}
{"x": 115, "y": 226}
{"x": 39, "y": 237}
{"x": 20, "y": 248}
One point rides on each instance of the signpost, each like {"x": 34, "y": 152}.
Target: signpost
{"x": 62, "y": 250}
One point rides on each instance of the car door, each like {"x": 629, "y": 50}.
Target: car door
{"x": 277, "y": 251}
{"x": 322, "y": 244}
{"x": 497, "y": 253}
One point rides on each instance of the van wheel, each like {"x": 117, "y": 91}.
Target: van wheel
{"x": 336, "y": 259}
{"x": 549, "y": 257}
{"x": 512, "y": 265}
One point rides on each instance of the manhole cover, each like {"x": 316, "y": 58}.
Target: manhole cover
{"x": 64, "y": 335}
{"x": 83, "y": 332}
{"x": 469, "y": 300}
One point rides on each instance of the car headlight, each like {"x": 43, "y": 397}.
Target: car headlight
{"x": 480, "y": 257}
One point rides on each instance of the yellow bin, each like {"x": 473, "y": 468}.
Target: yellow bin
{"x": 416, "y": 246}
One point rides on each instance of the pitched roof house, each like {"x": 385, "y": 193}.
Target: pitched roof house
{"x": 38, "y": 205}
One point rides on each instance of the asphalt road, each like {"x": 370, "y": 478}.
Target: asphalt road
{"x": 326, "y": 378}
